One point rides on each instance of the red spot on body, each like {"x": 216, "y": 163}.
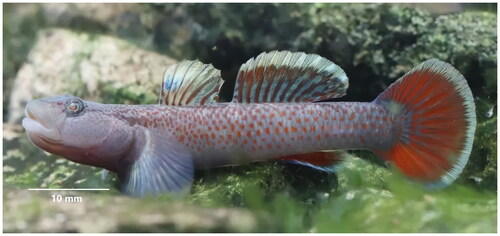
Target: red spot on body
{"x": 294, "y": 129}
{"x": 267, "y": 131}
{"x": 351, "y": 117}
{"x": 257, "y": 132}
{"x": 313, "y": 128}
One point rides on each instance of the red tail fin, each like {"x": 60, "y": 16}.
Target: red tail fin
{"x": 436, "y": 138}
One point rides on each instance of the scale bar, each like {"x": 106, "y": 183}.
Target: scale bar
{"x": 68, "y": 189}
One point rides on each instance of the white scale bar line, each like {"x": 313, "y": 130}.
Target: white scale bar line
{"x": 68, "y": 189}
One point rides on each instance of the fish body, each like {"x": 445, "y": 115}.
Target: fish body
{"x": 423, "y": 123}
{"x": 218, "y": 134}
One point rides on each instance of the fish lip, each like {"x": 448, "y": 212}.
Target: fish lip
{"x": 34, "y": 127}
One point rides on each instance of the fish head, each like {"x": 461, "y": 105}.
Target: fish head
{"x": 78, "y": 130}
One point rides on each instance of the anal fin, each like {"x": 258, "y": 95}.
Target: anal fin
{"x": 325, "y": 161}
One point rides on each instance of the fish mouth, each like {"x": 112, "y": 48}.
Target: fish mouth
{"x": 36, "y": 125}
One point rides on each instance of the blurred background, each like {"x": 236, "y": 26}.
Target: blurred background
{"x": 116, "y": 53}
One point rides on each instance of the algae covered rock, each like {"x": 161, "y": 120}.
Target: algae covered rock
{"x": 89, "y": 66}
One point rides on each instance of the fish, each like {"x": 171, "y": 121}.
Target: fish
{"x": 423, "y": 124}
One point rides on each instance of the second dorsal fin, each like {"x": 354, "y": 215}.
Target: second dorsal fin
{"x": 283, "y": 76}
{"x": 190, "y": 83}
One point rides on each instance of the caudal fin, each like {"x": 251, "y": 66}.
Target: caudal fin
{"x": 435, "y": 139}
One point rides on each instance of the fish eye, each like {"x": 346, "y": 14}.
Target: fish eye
{"x": 74, "y": 107}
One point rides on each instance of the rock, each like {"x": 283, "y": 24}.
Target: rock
{"x": 36, "y": 212}
{"x": 87, "y": 66}
{"x": 23, "y": 22}
{"x": 125, "y": 20}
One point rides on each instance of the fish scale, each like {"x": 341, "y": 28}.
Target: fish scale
{"x": 270, "y": 130}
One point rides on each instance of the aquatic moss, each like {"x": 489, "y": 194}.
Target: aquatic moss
{"x": 125, "y": 94}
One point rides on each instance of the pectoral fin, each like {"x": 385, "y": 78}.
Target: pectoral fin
{"x": 162, "y": 165}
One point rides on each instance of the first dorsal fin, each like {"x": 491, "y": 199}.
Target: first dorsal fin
{"x": 190, "y": 83}
{"x": 283, "y": 76}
